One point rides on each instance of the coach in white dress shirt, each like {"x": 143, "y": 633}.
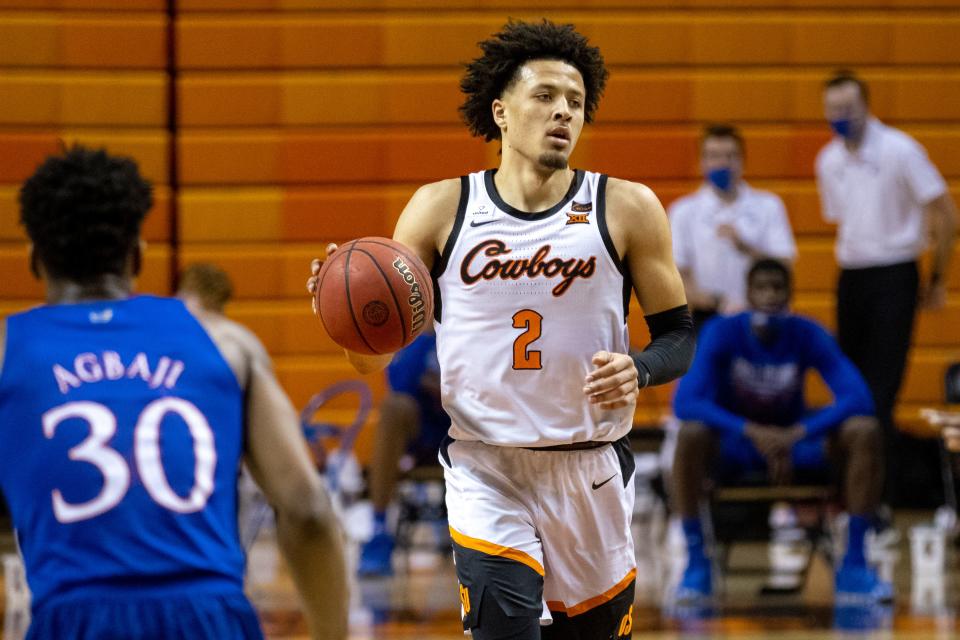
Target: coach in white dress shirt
{"x": 723, "y": 227}
{"x": 888, "y": 201}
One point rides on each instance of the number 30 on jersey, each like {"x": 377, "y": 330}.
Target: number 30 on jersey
{"x": 146, "y": 449}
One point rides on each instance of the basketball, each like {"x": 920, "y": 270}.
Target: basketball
{"x": 374, "y": 295}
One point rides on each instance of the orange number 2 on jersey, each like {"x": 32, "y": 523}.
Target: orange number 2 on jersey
{"x": 533, "y": 323}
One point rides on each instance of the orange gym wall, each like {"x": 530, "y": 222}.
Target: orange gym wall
{"x": 298, "y": 122}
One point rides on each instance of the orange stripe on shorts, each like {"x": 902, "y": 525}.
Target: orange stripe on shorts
{"x": 595, "y": 601}
{"x": 496, "y": 550}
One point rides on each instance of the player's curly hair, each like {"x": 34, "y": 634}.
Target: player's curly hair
{"x": 488, "y": 76}
{"x": 82, "y": 210}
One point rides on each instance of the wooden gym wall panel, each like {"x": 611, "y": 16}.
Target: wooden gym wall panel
{"x": 55, "y": 98}
{"x": 340, "y": 212}
{"x": 937, "y": 329}
{"x": 332, "y": 156}
{"x": 302, "y": 5}
{"x": 21, "y": 153}
{"x": 393, "y": 155}
{"x": 156, "y": 227}
{"x": 19, "y": 283}
{"x": 86, "y": 5}
{"x": 816, "y": 267}
{"x": 642, "y": 152}
{"x": 296, "y": 215}
{"x": 338, "y": 40}
{"x": 286, "y": 327}
{"x": 325, "y": 98}
{"x": 90, "y": 72}
{"x": 263, "y": 271}
{"x": 83, "y": 40}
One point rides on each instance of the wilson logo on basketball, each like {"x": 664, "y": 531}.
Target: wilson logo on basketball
{"x": 541, "y": 265}
{"x": 375, "y": 313}
{"x": 415, "y": 299}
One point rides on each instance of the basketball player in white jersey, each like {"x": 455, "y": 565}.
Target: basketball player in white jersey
{"x": 533, "y": 266}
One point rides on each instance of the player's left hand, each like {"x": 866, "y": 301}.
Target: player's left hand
{"x": 613, "y": 383}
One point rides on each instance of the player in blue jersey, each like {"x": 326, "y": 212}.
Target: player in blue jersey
{"x": 742, "y": 405}
{"x": 124, "y": 421}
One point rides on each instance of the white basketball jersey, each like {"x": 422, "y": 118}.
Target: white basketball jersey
{"x": 524, "y": 302}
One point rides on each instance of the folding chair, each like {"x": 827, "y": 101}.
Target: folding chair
{"x": 332, "y": 444}
{"x": 740, "y": 513}
{"x": 331, "y": 447}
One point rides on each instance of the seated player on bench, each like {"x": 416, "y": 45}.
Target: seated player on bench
{"x": 742, "y": 409}
{"x": 412, "y": 420}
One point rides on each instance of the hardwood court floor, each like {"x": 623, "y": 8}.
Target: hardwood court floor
{"x": 420, "y": 602}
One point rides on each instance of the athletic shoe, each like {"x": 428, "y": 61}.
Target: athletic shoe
{"x": 696, "y": 585}
{"x": 376, "y": 555}
{"x": 861, "y": 585}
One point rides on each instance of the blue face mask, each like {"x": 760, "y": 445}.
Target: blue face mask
{"x": 721, "y": 178}
{"x": 843, "y": 127}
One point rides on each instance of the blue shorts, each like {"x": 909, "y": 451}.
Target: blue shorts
{"x": 434, "y": 425}
{"x": 203, "y": 616}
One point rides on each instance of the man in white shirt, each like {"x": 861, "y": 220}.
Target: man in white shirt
{"x": 720, "y": 229}
{"x": 888, "y": 200}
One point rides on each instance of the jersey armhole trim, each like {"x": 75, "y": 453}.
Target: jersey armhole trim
{"x": 441, "y": 264}
{"x": 621, "y": 264}
{"x": 602, "y": 225}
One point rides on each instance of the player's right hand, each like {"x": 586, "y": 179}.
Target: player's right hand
{"x": 315, "y": 265}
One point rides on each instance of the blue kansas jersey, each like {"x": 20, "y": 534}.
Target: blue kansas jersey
{"x": 735, "y": 378}
{"x": 121, "y": 438}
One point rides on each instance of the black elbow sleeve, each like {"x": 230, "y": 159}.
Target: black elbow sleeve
{"x": 670, "y": 352}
